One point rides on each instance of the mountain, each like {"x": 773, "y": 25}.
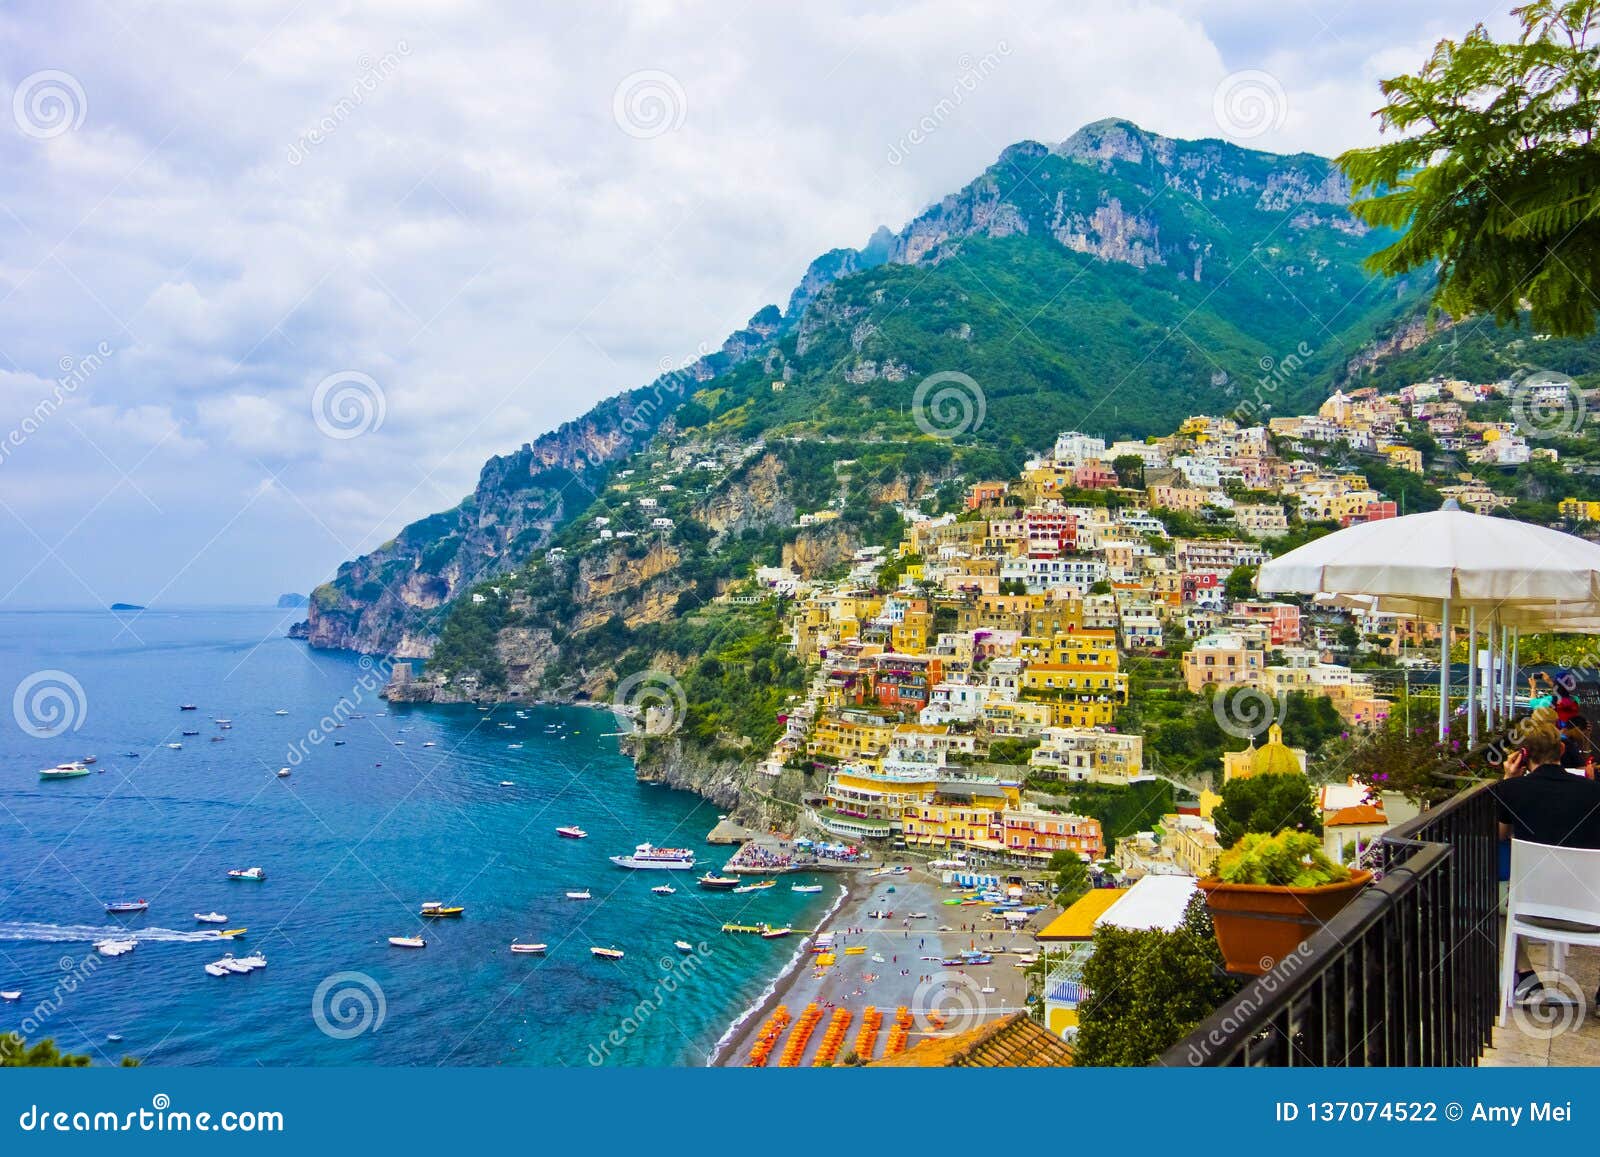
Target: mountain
{"x": 292, "y": 601}
{"x": 1114, "y": 282}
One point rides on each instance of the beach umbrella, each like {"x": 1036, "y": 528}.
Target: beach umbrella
{"x": 1448, "y": 563}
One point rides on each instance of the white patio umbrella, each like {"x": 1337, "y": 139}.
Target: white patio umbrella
{"x": 1449, "y": 563}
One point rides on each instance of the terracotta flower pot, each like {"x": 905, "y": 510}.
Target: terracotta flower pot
{"x": 1258, "y": 925}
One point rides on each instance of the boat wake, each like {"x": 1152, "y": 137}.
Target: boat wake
{"x": 90, "y": 933}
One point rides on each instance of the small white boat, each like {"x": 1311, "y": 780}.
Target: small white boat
{"x": 65, "y": 771}
{"x": 252, "y": 962}
{"x": 246, "y": 874}
{"x": 215, "y": 969}
{"x": 408, "y": 942}
{"x": 11, "y": 994}
{"x": 528, "y": 949}
{"x": 776, "y": 933}
{"x": 513, "y": 747}
{"x": 583, "y": 895}
{"x": 280, "y": 711}
{"x": 606, "y": 953}
{"x": 211, "y": 917}
{"x": 283, "y": 772}
{"x": 805, "y": 889}
{"x": 399, "y": 742}
{"x": 664, "y": 890}
{"x": 572, "y": 832}
{"x": 115, "y": 947}
{"x": 683, "y": 946}
{"x": 507, "y": 783}
{"x": 175, "y": 746}
{"x": 430, "y": 743}
{"x": 232, "y": 964}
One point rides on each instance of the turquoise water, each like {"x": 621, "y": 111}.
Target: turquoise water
{"x": 353, "y": 841}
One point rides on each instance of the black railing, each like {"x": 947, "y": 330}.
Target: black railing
{"x": 1406, "y": 975}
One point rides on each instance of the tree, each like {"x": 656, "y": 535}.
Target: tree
{"x": 1497, "y": 175}
{"x": 1130, "y": 470}
{"x": 1148, "y": 990}
{"x": 16, "y": 1053}
{"x": 1265, "y": 803}
{"x": 1240, "y": 584}
{"x": 1071, "y": 877}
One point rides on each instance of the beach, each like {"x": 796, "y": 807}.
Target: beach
{"x": 900, "y": 964}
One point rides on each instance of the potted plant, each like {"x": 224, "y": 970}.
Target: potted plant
{"x": 1270, "y": 892}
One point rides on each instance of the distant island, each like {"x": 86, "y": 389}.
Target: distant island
{"x": 287, "y": 601}
{"x": 126, "y": 607}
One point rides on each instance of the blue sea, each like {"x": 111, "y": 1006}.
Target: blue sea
{"x": 369, "y": 824}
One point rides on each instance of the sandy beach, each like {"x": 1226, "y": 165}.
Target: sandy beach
{"x": 900, "y": 964}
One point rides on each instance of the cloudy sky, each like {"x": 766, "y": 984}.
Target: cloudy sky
{"x": 276, "y": 278}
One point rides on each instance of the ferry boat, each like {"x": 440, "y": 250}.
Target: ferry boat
{"x": 119, "y": 907}
{"x": 65, "y": 770}
{"x": 246, "y": 874}
{"x": 648, "y": 856}
{"x": 718, "y": 883}
{"x": 408, "y": 942}
{"x": 572, "y": 832}
{"x": 761, "y": 887}
{"x": 528, "y": 949}
{"x": 434, "y": 908}
{"x": 606, "y": 953}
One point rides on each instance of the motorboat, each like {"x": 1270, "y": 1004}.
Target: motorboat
{"x": 507, "y": 783}
{"x": 606, "y": 953}
{"x": 572, "y": 832}
{"x": 683, "y": 946}
{"x": 408, "y": 942}
{"x": 113, "y": 947}
{"x": 65, "y": 770}
{"x": 718, "y": 883}
{"x": 583, "y": 895}
{"x": 11, "y": 994}
{"x": 280, "y": 711}
{"x": 664, "y": 890}
{"x": 232, "y": 933}
{"x": 252, "y": 962}
{"x": 528, "y": 949}
{"x": 174, "y": 747}
{"x": 196, "y": 731}
{"x": 435, "y": 909}
{"x": 187, "y": 707}
{"x": 247, "y": 874}
{"x": 647, "y": 855}
{"x": 121, "y": 907}
{"x": 430, "y": 743}
{"x": 283, "y": 773}
{"x": 776, "y": 933}
{"x": 215, "y": 969}
{"x": 211, "y": 917}
{"x": 806, "y": 889}
{"x": 742, "y": 889}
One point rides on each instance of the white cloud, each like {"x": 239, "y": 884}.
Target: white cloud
{"x": 470, "y": 226}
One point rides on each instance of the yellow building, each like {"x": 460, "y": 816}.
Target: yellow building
{"x": 1274, "y": 757}
{"x": 912, "y": 634}
{"x": 852, "y": 739}
{"x": 1405, "y": 457}
{"x": 960, "y": 811}
{"x": 1078, "y": 696}
{"x": 1579, "y": 510}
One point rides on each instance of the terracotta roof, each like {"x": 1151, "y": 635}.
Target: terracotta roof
{"x": 1361, "y": 814}
{"x": 1014, "y": 1042}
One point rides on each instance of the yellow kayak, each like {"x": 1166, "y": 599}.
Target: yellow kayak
{"x": 855, "y": 951}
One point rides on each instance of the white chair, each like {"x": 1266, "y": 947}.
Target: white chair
{"x": 1554, "y": 897}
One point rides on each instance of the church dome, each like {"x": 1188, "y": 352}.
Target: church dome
{"x": 1274, "y": 757}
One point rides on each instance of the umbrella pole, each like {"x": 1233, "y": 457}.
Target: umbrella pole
{"x": 1511, "y": 682}
{"x": 1491, "y": 689}
{"x": 1444, "y": 671}
{"x": 1472, "y": 676}
{"x": 1505, "y": 674}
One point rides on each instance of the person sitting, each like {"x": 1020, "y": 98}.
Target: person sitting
{"x": 1539, "y": 801}
{"x": 1577, "y": 746}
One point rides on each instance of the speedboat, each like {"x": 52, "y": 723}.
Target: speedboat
{"x": 65, "y": 771}
{"x": 761, "y": 887}
{"x": 283, "y": 772}
{"x": 118, "y": 907}
{"x": 211, "y": 917}
{"x": 776, "y": 933}
{"x": 175, "y": 747}
{"x": 115, "y": 947}
{"x": 232, "y": 933}
{"x": 718, "y": 883}
{"x": 280, "y": 711}
{"x": 507, "y": 783}
{"x": 528, "y": 949}
{"x": 187, "y": 707}
{"x": 90, "y": 759}
{"x": 583, "y": 895}
{"x": 806, "y": 889}
{"x": 683, "y": 946}
{"x": 408, "y": 942}
{"x": 664, "y": 890}
{"x": 246, "y": 874}
{"x": 216, "y": 969}
{"x": 11, "y": 994}
{"x": 114, "y": 1038}
{"x": 647, "y": 855}
{"x": 434, "y": 908}
{"x": 572, "y": 832}
{"x": 430, "y": 743}
{"x": 606, "y": 953}
{"x": 252, "y": 962}
{"x": 513, "y": 747}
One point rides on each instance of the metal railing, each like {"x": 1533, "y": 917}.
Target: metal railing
{"x": 1406, "y": 975}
